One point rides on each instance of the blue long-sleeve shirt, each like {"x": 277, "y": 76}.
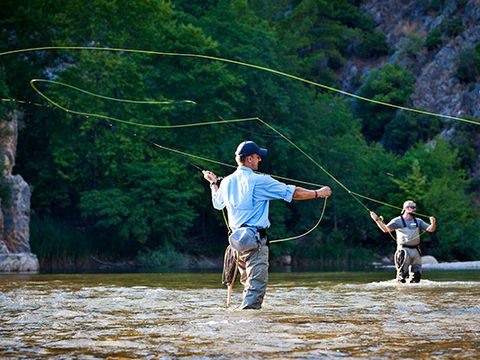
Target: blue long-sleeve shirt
{"x": 246, "y": 196}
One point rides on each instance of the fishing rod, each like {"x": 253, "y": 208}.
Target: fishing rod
{"x": 110, "y": 126}
{"x": 106, "y": 118}
{"x": 297, "y": 181}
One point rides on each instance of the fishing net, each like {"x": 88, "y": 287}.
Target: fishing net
{"x": 229, "y": 266}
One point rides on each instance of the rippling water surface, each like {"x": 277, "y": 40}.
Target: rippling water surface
{"x": 305, "y": 316}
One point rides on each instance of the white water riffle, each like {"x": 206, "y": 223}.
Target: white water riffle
{"x": 305, "y": 316}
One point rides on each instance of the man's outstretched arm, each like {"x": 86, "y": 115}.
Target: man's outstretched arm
{"x": 306, "y": 194}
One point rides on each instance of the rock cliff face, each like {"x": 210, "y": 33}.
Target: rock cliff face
{"x": 15, "y": 254}
{"x": 436, "y": 89}
{"x": 407, "y": 24}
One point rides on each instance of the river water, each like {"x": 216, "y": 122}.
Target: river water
{"x": 315, "y": 315}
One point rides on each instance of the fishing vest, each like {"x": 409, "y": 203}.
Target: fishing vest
{"x": 409, "y": 235}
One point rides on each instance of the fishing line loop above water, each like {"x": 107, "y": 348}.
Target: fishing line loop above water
{"x": 354, "y": 195}
{"x": 240, "y": 63}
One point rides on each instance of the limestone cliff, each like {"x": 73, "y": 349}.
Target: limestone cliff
{"x": 436, "y": 89}
{"x": 15, "y": 254}
{"x": 407, "y": 24}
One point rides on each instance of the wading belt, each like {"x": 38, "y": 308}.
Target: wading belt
{"x": 262, "y": 232}
{"x": 411, "y": 246}
{"x": 263, "y": 235}
{"x": 414, "y": 247}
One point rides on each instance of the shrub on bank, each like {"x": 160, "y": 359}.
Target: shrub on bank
{"x": 163, "y": 257}
{"x": 57, "y": 243}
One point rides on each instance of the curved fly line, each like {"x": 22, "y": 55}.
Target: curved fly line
{"x": 355, "y": 195}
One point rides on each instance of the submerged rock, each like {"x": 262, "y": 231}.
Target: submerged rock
{"x": 19, "y": 262}
{"x": 282, "y": 260}
{"x": 428, "y": 259}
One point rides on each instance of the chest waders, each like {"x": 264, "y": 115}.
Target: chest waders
{"x": 252, "y": 264}
{"x": 408, "y": 260}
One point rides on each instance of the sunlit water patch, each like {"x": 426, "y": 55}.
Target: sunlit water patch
{"x": 305, "y": 315}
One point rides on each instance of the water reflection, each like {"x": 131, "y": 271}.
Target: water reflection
{"x": 305, "y": 315}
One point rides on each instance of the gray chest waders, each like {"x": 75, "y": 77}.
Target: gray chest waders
{"x": 233, "y": 264}
{"x": 407, "y": 258}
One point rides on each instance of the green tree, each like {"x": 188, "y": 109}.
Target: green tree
{"x": 153, "y": 205}
{"x": 390, "y": 84}
{"x": 453, "y": 27}
{"x": 414, "y": 184}
{"x": 438, "y": 184}
{"x": 434, "y": 39}
{"x": 407, "y": 129}
{"x": 73, "y": 159}
{"x": 468, "y": 65}
{"x": 320, "y": 35}
{"x": 373, "y": 44}
{"x": 411, "y": 46}
{"x": 110, "y": 180}
{"x": 464, "y": 139}
{"x": 4, "y": 105}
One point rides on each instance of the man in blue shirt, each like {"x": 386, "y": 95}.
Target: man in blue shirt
{"x": 246, "y": 196}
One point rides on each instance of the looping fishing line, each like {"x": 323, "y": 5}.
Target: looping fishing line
{"x": 356, "y": 196}
{"x": 133, "y": 123}
{"x": 147, "y": 102}
{"x": 307, "y": 232}
{"x": 215, "y": 58}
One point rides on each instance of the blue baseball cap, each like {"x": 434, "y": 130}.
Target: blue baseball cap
{"x": 248, "y": 148}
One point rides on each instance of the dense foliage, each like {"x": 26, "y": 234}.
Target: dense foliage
{"x": 107, "y": 180}
{"x": 468, "y": 65}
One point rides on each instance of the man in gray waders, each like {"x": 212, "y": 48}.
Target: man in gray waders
{"x": 246, "y": 195}
{"x": 408, "y": 258}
